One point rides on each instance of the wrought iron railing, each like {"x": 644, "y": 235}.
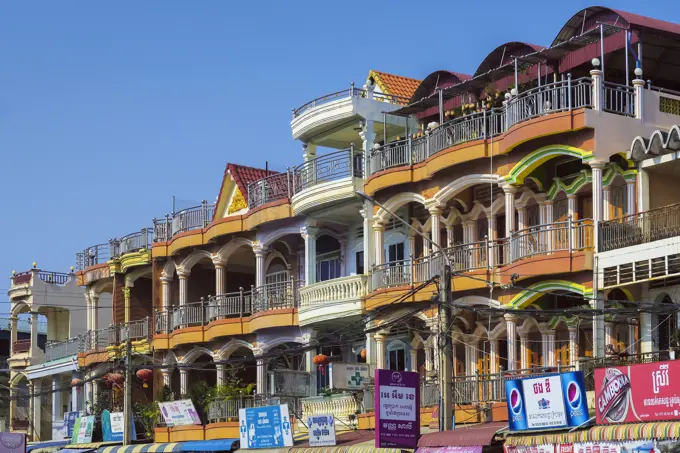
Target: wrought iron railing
{"x": 567, "y": 236}
{"x": 91, "y": 256}
{"x": 223, "y": 409}
{"x": 327, "y": 168}
{"x": 132, "y": 242}
{"x": 66, "y": 348}
{"x": 641, "y": 228}
{"x": 351, "y": 92}
{"x": 269, "y": 189}
{"x": 547, "y": 99}
{"x": 617, "y": 98}
{"x": 134, "y": 330}
{"x": 185, "y": 220}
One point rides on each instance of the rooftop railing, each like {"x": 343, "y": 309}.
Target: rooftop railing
{"x": 274, "y": 296}
{"x": 567, "y": 236}
{"x": 133, "y": 242}
{"x": 92, "y": 256}
{"x": 641, "y": 228}
{"x": 56, "y": 278}
{"x": 185, "y": 220}
{"x": 349, "y": 93}
{"x": 269, "y": 189}
{"x": 327, "y": 168}
{"x": 547, "y": 99}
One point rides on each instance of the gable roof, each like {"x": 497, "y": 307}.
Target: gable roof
{"x": 242, "y": 175}
{"x": 394, "y": 84}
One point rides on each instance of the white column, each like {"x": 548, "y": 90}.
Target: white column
{"x": 428, "y": 359}
{"x": 511, "y": 329}
{"x": 367, "y": 137}
{"x": 630, "y": 197}
{"x": 468, "y": 231}
{"x": 596, "y": 75}
{"x": 436, "y": 355}
{"x": 56, "y": 397}
{"x": 260, "y": 257}
{"x": 541, "y": 213}
{"x": 371, "y": 355}
{"x": 165, "y": 292}
{"x": 493, "y": 356}
{"x": 36, "y": 422}
{"x": 309, "y": 233}
{"x": 95, "y": 390}
{"x": 88, "y": 310}
{"x": 449, "y": 235}
{"x": 547, "y": 236}
{"x": 13, "y": 333}
{"x": 87, "y": 388}
{"x": 414, "y": 360}
{"x": 638, "y": 87}
{"x": 549, "y": 348}
{"x": 183, "y": 381}
{"x": 183, "y": 287}
{"x": 34, "y": 334}
{"x": 646, "y": 344}
{"x": 76, "y": 397}
{"x": 221, "y": 373}
{"x": 510, "y": 192}
{"x": 379, "y": 229}
{"x": 609, "y": 334}
{"x": 598, "y": 325}
{"x": 220, "y": 279}
{"x": 261, "y": 379}
{"x": 381, "y": 351}
{"x": 521, "y": 218}
{"x": 492, "y": 236}
{"x": 310, "y": 367}
{"x": 598, "y": 209}
{"x": 94, "y": 304}
{"x": 308, "y": 151}
{"x": 471, "y": 357}
{"x": 167, "y": 378}
{"x": 435, "y": 216}
{"x": 573, "y": 345}
{"x": 572, "y": 212}
{"x": 523, "y": 342}
{"x": 411, "y": 244}
{"x": 344, "y": 253}
{"x": 642, "y": 190}
{"x": 606, "y": 202}
{"x": 426, "y": 246}
{"x": 369, "y": 256}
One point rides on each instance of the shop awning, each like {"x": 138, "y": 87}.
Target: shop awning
{"x": 623, "y": 432}
{"x": 85, "y": 448}
{"x": 193, "y": 445}
{"x": 208, "y": 445}
{"x": 151, "y": 448}
{"x": 450, "y": 449}
{"x": 465, "y": 436}
{"x": 46, "y": 447}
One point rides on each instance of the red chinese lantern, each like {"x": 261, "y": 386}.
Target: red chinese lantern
{"x": 363, "y": 353}
{"x": 75, "y": 382}
{"x": 145, "y": 376}
{"x": 321, "y": 360}
{"x": 116, "y": 380}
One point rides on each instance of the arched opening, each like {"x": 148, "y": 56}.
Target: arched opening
{"x": 618, "y": 198}
{"x": 201, "y": 284}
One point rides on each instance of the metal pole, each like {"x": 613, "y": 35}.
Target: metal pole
{"x": 539, "y": 74}
{"x": 625, "y": 47}
{"x": 639, "y": 55}
{"x": 384, "y": 128}
{"x": 441, "y": 106}
{"x": 446, "y": 411}
{"x": 127, "y": 401}
{"x": 602, "y": 49}
{"x": 516, "y": 77}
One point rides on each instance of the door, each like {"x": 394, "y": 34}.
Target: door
{"x": 586, "y": 214}
{"x": 397, "y": 356}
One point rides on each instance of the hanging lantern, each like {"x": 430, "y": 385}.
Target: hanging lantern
{"x": 321, "y": 360}
{"x": 116, "y": 380}
{"x": 363, "y": 353}
{"x": 145, "y": 376}
{"x": 75, "y": 382}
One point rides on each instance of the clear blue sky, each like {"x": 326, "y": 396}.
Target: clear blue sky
{"x": 107, "y": 109}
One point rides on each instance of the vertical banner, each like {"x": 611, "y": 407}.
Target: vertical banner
{"x": 397, "y": 409}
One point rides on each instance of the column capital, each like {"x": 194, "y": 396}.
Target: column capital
{"x": 509, "y": 189}
{"x": 381, "y": 337}
{"x": 13, "y": 319}
{"x": 183, "y": 274}
{"x": 511, "y": 318}
{"x": 219, "y": 264}
{"x": 379, "y": 227}
{"x": 596, "y": 73}
{"x": 596, "y": 164}
{"x": 259, "y": 249}
{"x": 166, "y": 279}
{"x": 638, "y": 83}
{"x": 309, "y": 232}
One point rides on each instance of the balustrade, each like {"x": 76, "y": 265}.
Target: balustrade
{"x": 341, "y": 405}
{"x": 185, "y": 220}
{"x": 641, "y": 228}
{"x": 336, "y": 290}
{"x": 327, "y": 168}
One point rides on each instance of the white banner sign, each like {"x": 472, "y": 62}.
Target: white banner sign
{"x": 349, "y": 376}
{"x": 321, "y": 430}
{"x": 178, "y": 413}
{"x": 544, "y": 402}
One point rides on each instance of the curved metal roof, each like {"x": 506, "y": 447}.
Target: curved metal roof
{"x": 503, "y": 54}
{"x": 441, "y": 79}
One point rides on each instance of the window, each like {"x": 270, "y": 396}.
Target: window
{"x": 395, "y": 252}
{"x": 328, "y": 266}
{"x": 360, "y": 262}
{"x": 397, "y": 360}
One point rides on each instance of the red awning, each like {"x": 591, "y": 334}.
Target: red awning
{"x": 480, "y": 434}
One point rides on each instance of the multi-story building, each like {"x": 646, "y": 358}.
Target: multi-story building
{"x": 42, "y": 365}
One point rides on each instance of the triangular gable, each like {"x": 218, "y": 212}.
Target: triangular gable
{"x": 394, "y": 84}
{"x": 233, "y": 196}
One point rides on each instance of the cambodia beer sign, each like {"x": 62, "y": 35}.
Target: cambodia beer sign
{"x": 397, "y": 409}
{"x": 637, "y": 393}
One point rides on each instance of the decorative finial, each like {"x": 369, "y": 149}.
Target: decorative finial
{"x": 35, "y": 264}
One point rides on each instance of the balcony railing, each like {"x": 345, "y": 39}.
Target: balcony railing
{"x": 349, "y": 93}
{"x": 565, "y": 236}
{"x": 269, "y": 189}
{"x": 56, "y": 278}
{"x": 642, "y": 228}
{"x": 134, "y": 330}
{"x": 327, "y": 168}
{"x": 618, "y": 98}
{"x": 133, "y": 242}
{"x": 224, "y": 409}
{"x": 544, "y": 100}
{"x": 185, "y": 220}
{"x": 336, "y": 290}
{"x": 91, "y": 256}
{"x": 273, "y": 296}
{"x": 66, "y": 348}
{"x": 21, "y": 346}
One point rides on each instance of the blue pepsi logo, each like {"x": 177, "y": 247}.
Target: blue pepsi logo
{"x": 515, "y": 401}
{"x": 574, "y": 395}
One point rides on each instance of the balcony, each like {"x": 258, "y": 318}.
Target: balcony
{"x": 327, "y": 179}
{"x": 275, "y": 296}
{"x": 642, "y": 228}
{"x": 185, "y": 220}
{"x": 102, "y": 253}
{"x": 332, "y": 299}
{"x": 569, "y": 236}
{"x": 270, "y": 189}
{"x": 29, "y": 278}
{"x": 21, "y": 346}
{"x": 328, "y": 119}
{"x": 61, "y": 349}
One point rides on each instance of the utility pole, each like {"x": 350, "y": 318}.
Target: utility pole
{"x": 127, "y": 399}
{"x": 446, "y": 411}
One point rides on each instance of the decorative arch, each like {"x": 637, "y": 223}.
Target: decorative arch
{"x": 417, "y": 341}
{"x": 263, "y": 347}
{"x": 18, "y": 307}
{"x": 131, "y": 277}
{"x": 528, "y": 323}
{"x": 535, "y": 291}
{"x": 498, "y": 331}
{"x": 102, "y": 286}
{"x": 569, "y": 323}
{"x": 528, "y": 195}
{"x": 477, "y": 300}
{"x": 169, "y": 269}
{"x": 225, "y": 352}
{"x": 498, "y": 206}
{"x": 538, "y": 157}
{"x": 463, "y": 320}
{"x": 626, "y": 292}
{"x": 269, "y": 238}
{"x": 271, "y": 256}
{"x": 191, "y": 356}
{"x": 228, "y": 249}
{"x": 328, "y": 232}
{"x": 614, "y": 170}
{"x": 659, "y": 142}
{"x": 193, "y": 258}
{"x": 576, "y": 185}
{"x": 170, "y": 358}
{"x": 395, "y": 203}
{"x": 17, "y": 377}
{"x": 438, "y": 79}
{"x": 477, "y": 210}
{"x": 448, "y": 192}
{"x": 454, "y": 214}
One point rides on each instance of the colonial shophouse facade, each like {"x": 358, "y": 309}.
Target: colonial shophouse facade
{"x": 507, "y": 171}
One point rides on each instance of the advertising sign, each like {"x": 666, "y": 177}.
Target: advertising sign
{"x": 321, "y": 430}
{"x": 635, "y": 446}
{"x": 349, "y": 376}
{"x": 637, "y": 393}
{"x": 547, "y": 448}
{"x": 551, "y": 401}
{"x": 178, "y": 413}
{"x": 265, "y": 427}
{"x": 113, "y": 426}
{"x": 12, "y": 443}
{"x": 70, "y": 421}
{"x": 397, "y": 409}
{"x": 82, "y": 430}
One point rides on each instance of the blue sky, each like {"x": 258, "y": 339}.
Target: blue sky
{"x": 108, "y": 109}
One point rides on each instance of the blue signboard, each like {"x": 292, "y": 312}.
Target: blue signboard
{"x": 550, "y": 401}
{"x": 113, "y": 425}
{"x": 70, "y": 421}
{"x": 265, "y": 427}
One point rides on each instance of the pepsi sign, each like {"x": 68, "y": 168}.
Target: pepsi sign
{"x": 550, "y": 401}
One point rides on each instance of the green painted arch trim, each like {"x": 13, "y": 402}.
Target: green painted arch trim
{"x": 570, "y": 322}
{"x": 559, "y": 185}
{"x": 614, "y": 170}
{"x": 535, "y": 291}
{"x": 536, "y": 158}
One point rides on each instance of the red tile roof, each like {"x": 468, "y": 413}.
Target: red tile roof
{"x": 245, "y": 175}
{"x": 395, "y": 84}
